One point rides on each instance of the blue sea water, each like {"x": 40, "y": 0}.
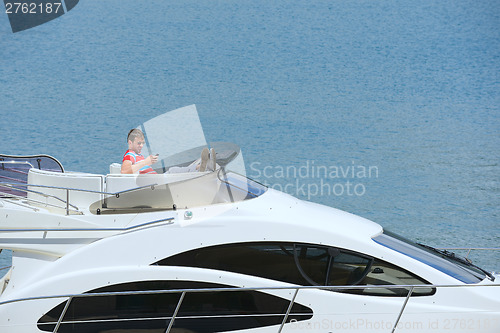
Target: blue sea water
{"x": 386, "y": 109}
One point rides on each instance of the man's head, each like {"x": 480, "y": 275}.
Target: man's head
{"x": 135, "y": 140}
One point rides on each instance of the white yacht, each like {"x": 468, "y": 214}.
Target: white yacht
{"x": 215, "y": 252}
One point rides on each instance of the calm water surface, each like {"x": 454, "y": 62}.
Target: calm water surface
{"x": 316, "y": 93}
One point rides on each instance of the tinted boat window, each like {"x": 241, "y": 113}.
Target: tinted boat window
{"x": 272, "y": 261}
{"x": 347, "y": 269}
{"x": 466, "y": 274}
{"x": 199, "y": 312}
{"x": 303, "y": 264}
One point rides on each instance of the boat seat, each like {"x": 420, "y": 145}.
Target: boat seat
{"x": 184, "y": 189}
{"x": 115, "y": 168}
{"x": 72, "y": 180}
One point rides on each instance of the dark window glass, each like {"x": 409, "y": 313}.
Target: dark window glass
{"x": 347, "y": 269}
{"x": 199, "y": 312}
{"x": 303, "y": 264}
{"x": 272, "y": 261}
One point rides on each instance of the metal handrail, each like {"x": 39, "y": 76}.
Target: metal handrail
{"x": 23, "y": 204}
{"x": 16, "y": 186}
{"x": 117, "y": 194}
{"x": 45, "y": 195}
{"x": 71, "y": 297}
{"x": 175, "y": 312}
{"x": 288, "y": 310}
{"x": 402, "y": 308}
{"x": 67, "y": 189}
{"x": 17, "y": 162}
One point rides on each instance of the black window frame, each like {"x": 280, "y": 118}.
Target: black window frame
{"x": 203, "y": 311}
{"x": 239, "y": 255}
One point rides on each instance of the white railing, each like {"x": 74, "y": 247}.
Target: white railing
{"x": 183, "y": 292}
{"x": 67, "y": 204}
{"x": 68, "y": 207}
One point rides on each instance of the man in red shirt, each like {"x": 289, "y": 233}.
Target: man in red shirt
{"x": 133, "y": 160}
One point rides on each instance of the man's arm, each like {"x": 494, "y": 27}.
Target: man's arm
{"x": 128, "y": 167}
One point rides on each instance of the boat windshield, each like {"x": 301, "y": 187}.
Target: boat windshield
{"x": 176, "y": 181}
{"x": 14, "y": 172}
{"x": 177, "y": 137}
{"x": 444, "y": 261}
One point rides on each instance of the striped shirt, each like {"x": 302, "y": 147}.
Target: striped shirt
{"x": 133, "y": 157}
